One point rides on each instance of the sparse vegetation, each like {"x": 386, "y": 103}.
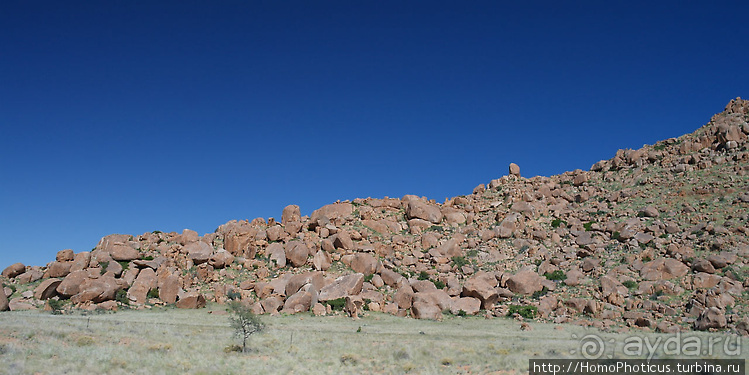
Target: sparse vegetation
{"x": 244, "y": 322}
{"x": 526, "y": 311}
{"x": 336, "y": 304}
{"x": 556, "y": 275}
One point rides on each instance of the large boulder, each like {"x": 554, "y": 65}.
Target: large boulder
{"x": 71, "y": 284}
{"x": 169, "y": 288}
{"x": 276, "y": 254}
{"x": 322, "y": 260}
{"x": 14, "y": 270}
{"x": 221, "y": 259}
{"x": 122, "y": 252}
{"x": 301, "y": 301}
{"x": 4, "y": 303}
{"x": 403, "y": 297}
{"x": 199, "y": 252}
{"x": 146, "y": 280}
{"x": 240, "y": 244}
{"x": 365, "y": 263}
{"x": 297, "y": 253}
{"x": 426, "y": 310}
{"x": 332, "y": 213}
{"x": 711, "y": 318}
{"x": 663, "y": 269}
{"x": 191, "y": 301}
{"x": 59, "y": 269}
{"x": 482, "y": 286}
{"x": 81, "y": 261}
{"x": 343, "y": 286}
{"x": 296, "y": 282}
{"x": 100, "y": 289}
{"x": 291, "y": 213}
{"x": 47, "y": 289}
{"x": 525, "y": 282}
{"x": 468, "y": 305}
{"x": 418, "y": 209}
{"x": 65, "y": 255}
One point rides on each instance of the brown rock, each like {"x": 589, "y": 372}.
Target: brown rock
{"x": 321, "y": 260}
{"x": 663, "y": 269}
{"x": 120, "y": 252}
{"x": 418, "y": 209}
{"x": 403, "y": 297}
{"x": 390, "y": 277}
{"x": 221, "y": 259}
{"x": 31, "y": 275}
{"x": 711, "y": 318}
{"x": 97, "y": 290}
{"x": 296, "y": 282}
{"x": 191, "y": 301}
{"x": 291, "y": 213}
{"x": 365, "y": 263}
{"x": 65, "y": 255}
{"x": 14, "y": 270}
{"x": 514, "y": 170}
{"x": 426, "y": 310}
{"x": 272, "y": 304}
{"x": 703, "y": 265}
{"x": 59, "y": 269}
{"x": 145, "y": 281}
{"x": 343, "y": 241}
{"x": 482, "y": 286}
{"x": 649, "y": 211}
{"x": 336, "y": 212}
{"x": 276, "y": 254}
{"x": 353, "y": 306}
{"x": 343, "y": 286}
{"x": 81, "y": 261}
{"x": 275, "y": 233}
{"x": 169, "y": 288}
{"x": 318, "y": 309}
{"x": 300, "y": 301}
{"x": 525, "y": 282}
{"x": 469, "y": 305}
{"x": 71, "y": 284}
{"x": 297, "y": 253}
{"x": 702, "y": 280}
{"x": 47, "y": 289}
{"x": 4, "y": 303}
{"x": 240, "y": 244}
{"x": 199, "y": 252}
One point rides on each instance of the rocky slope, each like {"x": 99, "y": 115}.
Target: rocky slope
{"x": 653, "y": 238}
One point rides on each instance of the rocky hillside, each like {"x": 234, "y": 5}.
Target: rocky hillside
{"x": 653, "y": 238}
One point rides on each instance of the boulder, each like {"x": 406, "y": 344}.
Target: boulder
{"x": 426, "y": 310}
{"x": 343, "y": 286}
{"x": 403, "y": 297}
{"x": 649, "y": 211}
{"x": 435, "y": 296}
{"x": 59, "y": 269}
{"x": 276, "y": 254}
{"x": 97, "y": 290}
{"x": 291, "y": 213}
{"x": 336, "y": 212}
{"x": 146, "y": 280}
{"x": 663, "y": 269}
{"x": 188, "y": 236}
{"x": 169, "y": 288}
{"x": 65, "y": 255}
{"x": 71, "y": 284}
{"x": 418, "y": 209}
{"x": 240, "y": 244}
{"x": 343, "y": 241}
{"x": 295, "y": 283}
{"x": 353, "y": 306}
{"x": 14, "y": 270}
{"x": 482, "y": 286}
{"x": 525, "y": 282}
{"x": 81, "y": 261}
{"x": 365, "y": 263}
{"x": 390, "y": 277}
{"x": 121, "y": 252}
{"x": 272, "y": 304}
{"x": 199, "y": 252}
{"x": 322, "y": 260}
{"x": 192, "y": 300}
{"x": 300, "y": 301}
{"x": 711, "y": 318}
{"x": 221, "y": 259}
{"x": 4, "y": 303}
{"x": 31, "y": 275}
{"x": 297, "y": 253}
{"x": 469, "y": 305}
{"x": 47, "y": 289}
{"x": 703, "y": 265}
{"x": 514, "y": 170}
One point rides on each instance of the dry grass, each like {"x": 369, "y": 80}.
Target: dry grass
{"x": 171, "y": 341}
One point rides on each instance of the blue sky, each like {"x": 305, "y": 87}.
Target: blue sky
{"x": 134, "y": 116}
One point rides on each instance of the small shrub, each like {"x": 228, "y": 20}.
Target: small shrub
{"x": 630, "y": 284}
{"x": 556, "y": 223}
{"x": 459, "y": 261}
{"x": 472, "y": 253}
{"x": 423, "y": 275}
{"x": 588, "y": 226}
{"x": 439, "y": 284}
{"x": 557, "y": 275}
{"x": 121, "y": 297}
{"x": 527, "y": 312}
{"x": 153, "y": 293}
{"x": 103, "y": 266}
{"x": 234, "y": 295}
{"x": 368, "y": 278}
{"x": 349, "y": 359}
{"x": 125, "y": 265}
{"x": 446, "y": 361}
{"x": 233, "y": 348}
{"x": 85, "y": 341}
{"x": 462, "y": 313}
{"x": 401, "y": 354}
{"x": 337, "y": 304}
{"x": 148, "y": 257}
{"x": 540, "y": 293}
{"x": 615, "y": 236}
{"x": 244, "y": 322}
{"x": 156, "y": 232}
{"x": 56, "y": 305}
{"x": 436, "y": 228}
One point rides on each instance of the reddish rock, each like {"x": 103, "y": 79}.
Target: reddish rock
{"x": 365, "y": 263}
{"x": 47, "y": 289}
{"x": 702, "y": 280}
{"x": 14, "y": 270}
{"x": 297, "y": 253}
{"x": 434, "y": 296}
{"x": 514, "y": 170}
{"x": 81, "y": 261}
{"x": 296, "y": 282}
{"x": 300, "y": 301}
{"x": 97, "y": 290}
{"x": 71, "y": 284}
{"x": 169, "y": 288}
{"x": 59, "y": 269}
{"x": 331, "y": 213}
{"x": 199, "y": 252}
{"x": 663, "y": 269}
{"x": 120, "y": 252}
{"x": 469, "y": 305}
{"x": 418, "y": 209}
{"x": 240, "y": 244}
{"x": 276, "y": 254}
{"x": 321, "y": 260}
{"x": 272, "y": 304}
{"x": 291, "y": 213}
{"x": 711, "y": 318}
{"x": 191, "y": 301}
{"x": 145, "y": 281}
{"x": 65, "y": 255}
{"x": 343, "y": 241}
{"x": 4, "y": 303}
{"x": 221, "y": 259}
{"x": 525, "y": 282}
{"x": 343, "y": 286}
{"x": 426, "y": 310}
{"x": 482, "y": 286}
{"x": 390, "y": 277}
{"x": 403, "y": 297}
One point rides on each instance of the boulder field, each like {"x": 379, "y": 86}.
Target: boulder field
{"x": 654, "y": 238}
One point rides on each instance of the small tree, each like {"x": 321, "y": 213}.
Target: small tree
{"x": 244, "y": 322}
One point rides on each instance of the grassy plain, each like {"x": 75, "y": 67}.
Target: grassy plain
{"x": 173, "y": 341}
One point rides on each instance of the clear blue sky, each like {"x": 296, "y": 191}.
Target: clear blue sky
{"x": 134, "y": 116}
